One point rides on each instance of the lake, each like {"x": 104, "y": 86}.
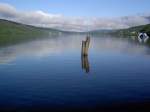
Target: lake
{"x": 49, "y": 73}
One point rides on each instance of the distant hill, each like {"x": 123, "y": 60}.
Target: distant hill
{"x": 12, "y": 32}
{"x": 10, "y": 27}
{"x": 133, "y": 31}
{"x": 101, "y": 32}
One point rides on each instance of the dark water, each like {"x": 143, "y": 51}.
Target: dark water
{"x": 49, "y": 74}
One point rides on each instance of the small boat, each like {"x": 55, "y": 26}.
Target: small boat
{"x": 143, "y": 37}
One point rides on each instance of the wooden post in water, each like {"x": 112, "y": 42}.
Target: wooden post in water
{"x": 85, "y": 46}
{"x": 84, "y": 54}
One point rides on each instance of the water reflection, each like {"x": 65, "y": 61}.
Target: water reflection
{"x": 70, "y": 45}
{"x": 40, "y": 48}
{"x": 85, "y": 63}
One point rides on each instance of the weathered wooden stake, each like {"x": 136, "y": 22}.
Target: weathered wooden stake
{"x": 84, "y": 54}
{"x": 85, "y": 46}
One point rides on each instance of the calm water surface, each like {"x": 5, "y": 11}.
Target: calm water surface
{"x": 51, "y": 73}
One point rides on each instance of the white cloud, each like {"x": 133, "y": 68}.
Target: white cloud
{"x": 42, "y": 19}
{"x": 7, "y": 11}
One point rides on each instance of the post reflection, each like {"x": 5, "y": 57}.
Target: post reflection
{"x": 85, "y": 63}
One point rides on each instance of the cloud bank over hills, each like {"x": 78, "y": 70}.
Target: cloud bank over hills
{"x": 59, "y": 21}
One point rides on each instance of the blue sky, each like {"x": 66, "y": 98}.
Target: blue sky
{"x": 79, "y": 15}
{"x": 84, "y": 8}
